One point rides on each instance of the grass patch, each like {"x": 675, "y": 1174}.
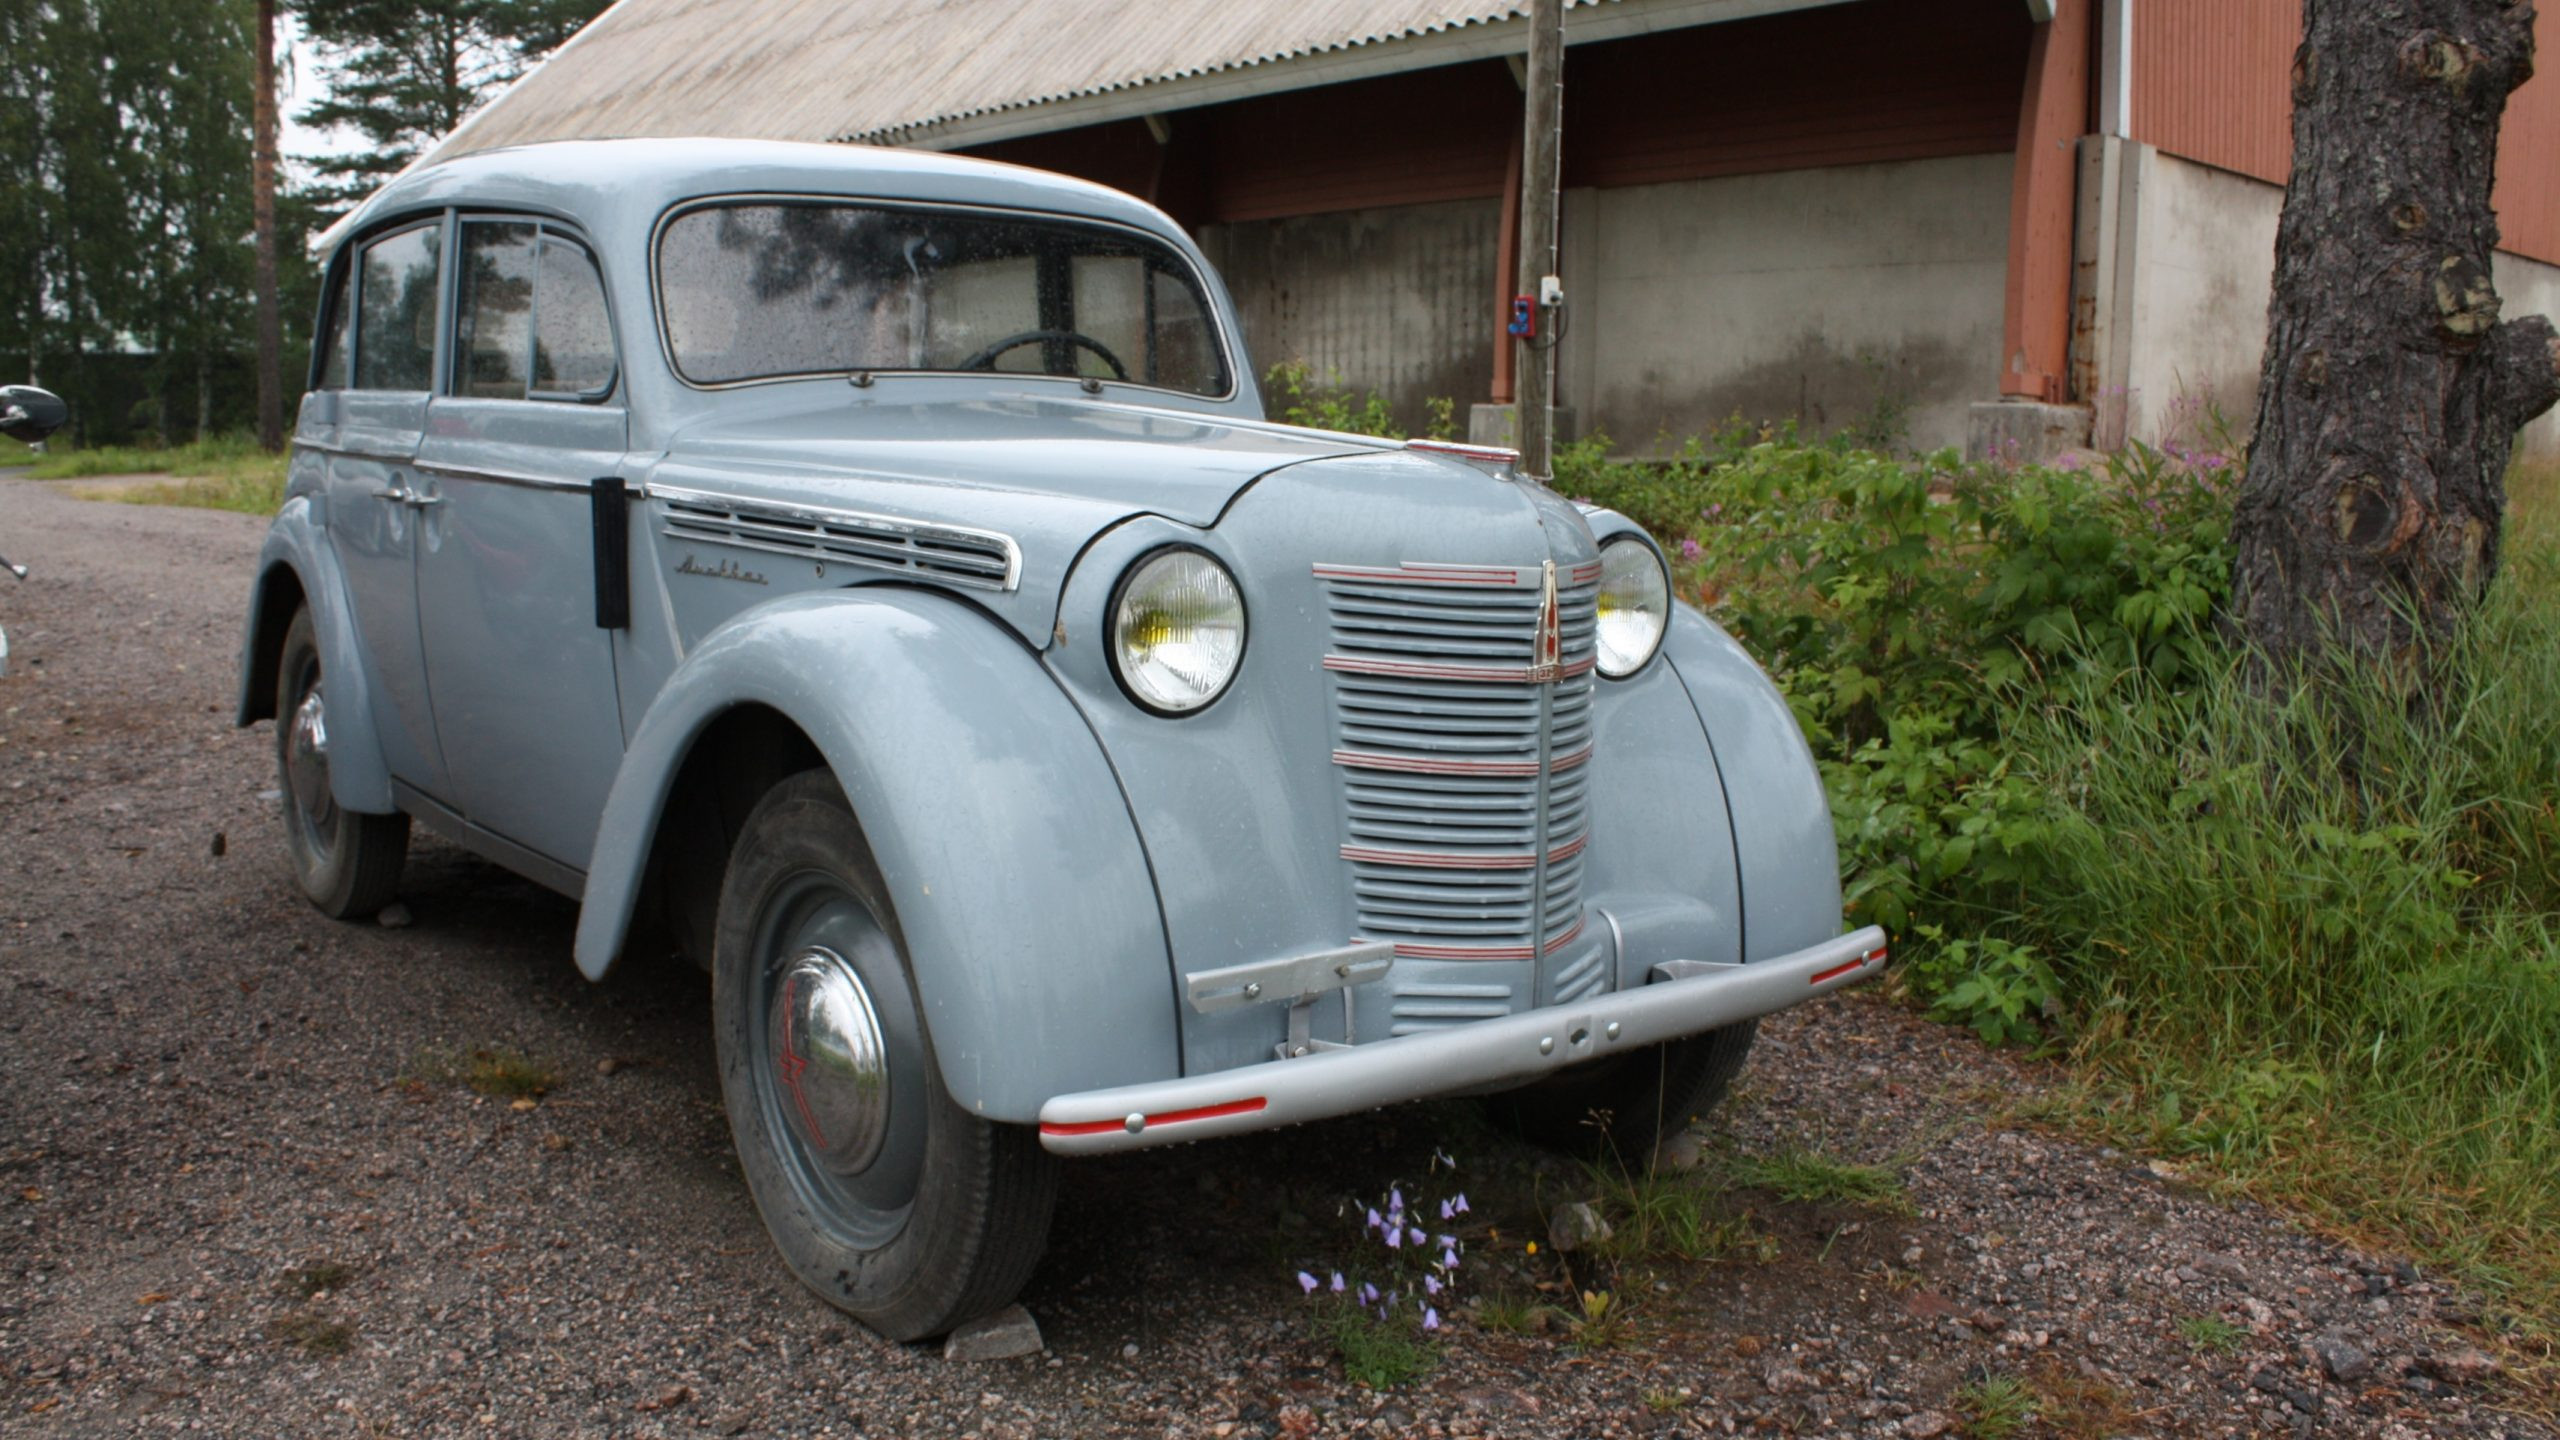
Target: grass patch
{"x": 304, "y": 1281}
{"x": 313, "y": 1334}
{"x": 225, "y": 472}
{"x": 2211, "y": 1334}
{"x": 501, "y": 1073}
{"x": 1668, "y": 1214}
{"x": 1380, "y": 1354}
{"x": 1994, "y": 1407}
{"x": 1511, "y": 1315}
{"x": 1810, "y": 1177}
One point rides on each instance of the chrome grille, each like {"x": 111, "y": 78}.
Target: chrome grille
{"x": 1463, "y": 755}
{"x": 950, "y": 553}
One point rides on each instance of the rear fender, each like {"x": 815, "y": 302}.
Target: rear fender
{"x": 1022, "y": 893}
{"x": 296, "y": 566}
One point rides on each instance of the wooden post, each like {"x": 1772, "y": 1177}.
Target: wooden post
{"x": 1541, "y": 158}
{"x": 262, "y": 210}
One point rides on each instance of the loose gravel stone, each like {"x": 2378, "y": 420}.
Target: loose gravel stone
{"x": 1008, "y": 1333}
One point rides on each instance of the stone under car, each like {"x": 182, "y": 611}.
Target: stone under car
{"x": 870, "y": 574}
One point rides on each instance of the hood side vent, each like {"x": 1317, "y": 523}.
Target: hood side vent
{"x": 952, "y": 554}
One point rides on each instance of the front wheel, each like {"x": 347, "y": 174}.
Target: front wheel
{"x": 883, "y": 1195}
{"x": 1622, "y": 1108}
{"x": 348, "y": 863}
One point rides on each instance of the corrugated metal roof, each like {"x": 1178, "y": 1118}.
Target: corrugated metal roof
{"x": 881, "y": 70}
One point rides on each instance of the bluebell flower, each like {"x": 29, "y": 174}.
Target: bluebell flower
{"x": 1374, "y": 1221}
{"x": 1395, "y": 1237}
{"x": 1430, "y": 1318}
{"x": 1431, "y": 1284}
{"x": 1449, "y": 1259}
{"x": 1337, "y": 1282}
{"x": 1368, "y": 1293}
{"x": 1416, "y": 1235}
{"x": 1306, "y": 1283}
{"x": 1460, "y": 1204}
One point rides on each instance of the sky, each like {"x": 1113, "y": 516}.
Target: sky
{"x": 298, "y": 86}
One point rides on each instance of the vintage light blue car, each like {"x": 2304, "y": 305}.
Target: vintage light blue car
{"x": 870, "y": 573}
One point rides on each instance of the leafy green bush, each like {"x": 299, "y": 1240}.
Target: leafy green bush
{"x": 1293, "y": 392}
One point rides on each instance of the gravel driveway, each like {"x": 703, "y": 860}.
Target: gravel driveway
{"x": 246, "y": 1190}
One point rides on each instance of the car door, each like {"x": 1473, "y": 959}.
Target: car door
{"x": 371, "y": 472}
{"x": 521, "y": 674}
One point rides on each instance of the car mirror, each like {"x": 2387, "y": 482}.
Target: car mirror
{"x": 30, "y": 414}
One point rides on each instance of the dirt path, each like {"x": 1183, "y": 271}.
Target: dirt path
{"x": 241, "y": 1194}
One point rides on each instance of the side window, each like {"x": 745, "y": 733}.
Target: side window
{"x": 396, "y": 311}
{"x": 495, "y": 313}
{"x": 337, "y": 335}
{"x": 573, "y": 337}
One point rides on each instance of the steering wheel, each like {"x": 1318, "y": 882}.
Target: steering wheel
{"x": 986, "y": 359}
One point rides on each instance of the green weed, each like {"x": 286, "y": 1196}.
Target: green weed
{"x": 1809, "y": 1177}
{"x": 1994, "y": 1407}
{"x": 227, "y": 472}
{"x": 313, "y": 1334}
{"x": 501, "y": 1073}
{"x": 1380, "y": 1354}
{"x": 304, "y": 1281}
{"x": 2211, "y": 1334}
{"x": 1668, "y": 1214}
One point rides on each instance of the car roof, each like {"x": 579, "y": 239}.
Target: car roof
{"x": 611, "y": 184}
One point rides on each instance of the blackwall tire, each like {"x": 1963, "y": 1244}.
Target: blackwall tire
{"x": 347, "y": 863}
{"x": 884, "y": 1196}
{"x": 1621, "y": 1109}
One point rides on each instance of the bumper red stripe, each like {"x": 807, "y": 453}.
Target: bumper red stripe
{"x": 1170, "y": 1117}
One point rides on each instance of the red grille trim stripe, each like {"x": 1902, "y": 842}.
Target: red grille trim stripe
{"x": 1463, "y": 952}
{"x": 1438, "y": 860}
{"x": 1362, "y": 760}
{"x": 1567, "y": 762}
{"x": 1485, "y": 674}
{"x": 1568, "y": 849}
{"x": 1566, "y": 938}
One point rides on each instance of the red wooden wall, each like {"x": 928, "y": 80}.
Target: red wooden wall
{"x": 2212, "y": 81}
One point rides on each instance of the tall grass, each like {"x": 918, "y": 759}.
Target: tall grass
{"x": 2317, "y": 943}
{"x": 224, "y": 472}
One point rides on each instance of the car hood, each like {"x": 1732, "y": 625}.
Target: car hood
{"x": 1047, "y": 474}
{"x": 1179, "y": 464}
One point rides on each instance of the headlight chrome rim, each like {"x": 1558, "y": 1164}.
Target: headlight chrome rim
{"x": 1634, "y": 606}
{"x": 1117, "y": 617}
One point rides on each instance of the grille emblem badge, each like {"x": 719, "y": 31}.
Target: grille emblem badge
{"x": 1550, "y": 655}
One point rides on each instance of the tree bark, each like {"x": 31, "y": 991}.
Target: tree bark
{"x": 262, "y": 203}
{"x": 2392, "y": 391}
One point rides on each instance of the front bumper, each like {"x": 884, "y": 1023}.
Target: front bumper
{"x": 1488, "y": 1052}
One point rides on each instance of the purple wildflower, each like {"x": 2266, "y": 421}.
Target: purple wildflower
{"x": 1368, "y": 1293}
{"x": 1306, "y": 1283}
{"x": 1431, "y": 1284}
{"x": 1460, "y": 1204}
{"x": 1337, "y": 1282}
{"x": 2069, "y": 460}
{"x": 1374, "y": 1221}
{"x": 1430, "y": 1318}
{"x": 1691, "y": 549}
{"x": 1416, "y": 1235}
{"x": 1449, "y": 1259}
{"x": 1395, "y": 1238}
{"x": 1445, "y": 1211}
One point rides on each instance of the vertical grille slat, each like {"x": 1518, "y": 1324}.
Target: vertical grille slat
{"x": 1463, "y": 768}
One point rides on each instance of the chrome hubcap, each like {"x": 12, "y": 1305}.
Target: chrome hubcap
{"x": 830, "y": 1063}
{"x": 307, "y": 763}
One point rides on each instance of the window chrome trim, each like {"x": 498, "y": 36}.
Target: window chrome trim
{"x": 677, "y": 211}
{"x": 820, "y": 515}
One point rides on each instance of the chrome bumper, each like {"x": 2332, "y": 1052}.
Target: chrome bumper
{"x": 1514, "y": 1048}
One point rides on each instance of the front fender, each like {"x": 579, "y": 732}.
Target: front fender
{"x": 1790, "y": 860}
{"x": 359, "y": 778}
{"x": 1029, "y": 913}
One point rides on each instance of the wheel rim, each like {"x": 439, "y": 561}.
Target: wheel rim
{"x": 837, "y": 1059}
{"x": 308, "y": 803}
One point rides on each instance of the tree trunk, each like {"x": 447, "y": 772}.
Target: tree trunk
{"x": 2391, "y": 392}
{"x": 262, "y": 210}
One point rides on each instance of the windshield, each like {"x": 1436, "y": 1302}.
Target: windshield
{"x": 754, "y": 290}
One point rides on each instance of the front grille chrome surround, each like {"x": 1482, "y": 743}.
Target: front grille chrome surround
{"x": 1461, "y": 703}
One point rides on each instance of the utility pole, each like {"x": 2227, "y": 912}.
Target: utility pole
{"x": 1541, "y": 158}
{"x": 262, "y": 210}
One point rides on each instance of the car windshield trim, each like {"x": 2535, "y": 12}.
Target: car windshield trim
{"x": 1189, "y": 272}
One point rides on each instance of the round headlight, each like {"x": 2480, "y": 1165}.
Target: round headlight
{"x": 1635, "y": 605}
{"x": 1177, "y": 631}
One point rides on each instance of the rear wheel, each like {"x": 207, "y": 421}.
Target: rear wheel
{"x": 1622, "y": 1108}
{"x": 883, "y": 1195}
{"x": 347, "y": 863}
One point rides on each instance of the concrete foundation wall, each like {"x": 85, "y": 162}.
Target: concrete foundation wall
{"x": 1863, "y": 295}
{"x": 2182, "y": 258}
{"x": 1399, "y": 300}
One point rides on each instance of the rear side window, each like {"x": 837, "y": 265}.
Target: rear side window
{"x": 396, "y": 311}
{"x": 337, "y": 336}
{"x": 531, "y": 319}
